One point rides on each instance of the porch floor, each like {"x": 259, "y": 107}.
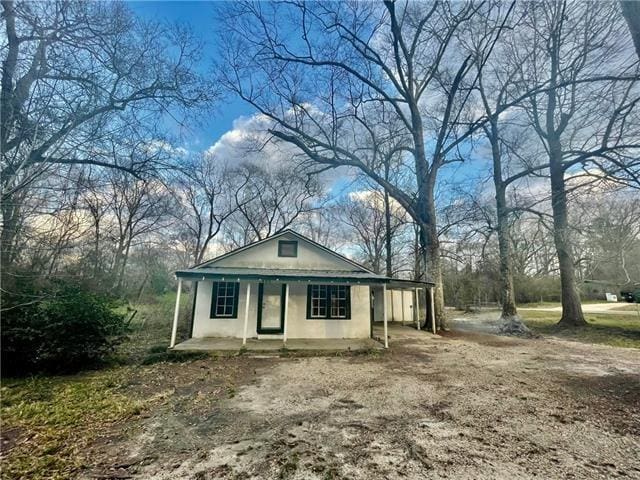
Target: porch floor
{"x": 255, "y": 345}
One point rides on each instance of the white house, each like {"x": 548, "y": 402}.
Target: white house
{"x": 290, "y": 287}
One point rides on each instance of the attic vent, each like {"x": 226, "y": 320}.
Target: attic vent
{"x": 287, "y": 248}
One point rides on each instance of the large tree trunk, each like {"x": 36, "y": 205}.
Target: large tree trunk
{"x": 572, "y": 315}
{"x": 387, "y": 237}
{"x": 426, "y": 213}
{"x": 506, "y": 276}
{"x": 432, "y": 263}
{"x": 417, "y": 254}
{"x": 511, "y": 323}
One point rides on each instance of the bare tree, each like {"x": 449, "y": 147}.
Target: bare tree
{"x": 495, "y": 83}
{"x": 140, "y": 208}
{"x": 579, "y": 124}
{"x": 611, "y": 237}
{"x": 326, "y": 86}
{"x": 205, "y": 190}
{"x": 269, "y": 200}
{"x": 373, "y": 224}
{"x": 322, "y": 225}
{"x": 76, "y": 76}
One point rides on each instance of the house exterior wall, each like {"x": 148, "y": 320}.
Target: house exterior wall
{"x": 301, "y": 327}
{"x": 378, "y": 303}
{"x": 298, "y": 326}
{"x": 395, "y": 312}
{"x": 265, "y": 255}
{"x": 204, "y": 326}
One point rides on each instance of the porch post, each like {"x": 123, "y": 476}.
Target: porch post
{"x": 286, "y": 313}
{"x": 417, "y": 290}
{"x": 384, "y": 309}
{"x": 246, "y": 314}
{"x": 431, "y": 309}
{"x": 174, "y": 330}
{"x": 402, "y": 305}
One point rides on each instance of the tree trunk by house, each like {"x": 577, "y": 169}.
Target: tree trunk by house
{"x": 572, "y": 315}
{"x": 511, "y": 323}
{"x": 432, "y": 263}
{"x": 387, "y": 236}
{"x": 426, "y": 213}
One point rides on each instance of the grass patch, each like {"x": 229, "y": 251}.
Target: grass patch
{"x": 52, "y": 420}
{"x": 151, "y": 329}
{"x": 50, "y": 423}
{"x": 546, "y": 304}
{"x": 615, "y": 330}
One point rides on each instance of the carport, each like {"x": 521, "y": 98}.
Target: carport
{"x": 420, "y": 296}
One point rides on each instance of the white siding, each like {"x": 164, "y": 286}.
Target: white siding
{"x": 265, "y": 255}
{"x": 203, "y": 326}
{"x": 298, "y": 325}
{"x": 357, "y": 327}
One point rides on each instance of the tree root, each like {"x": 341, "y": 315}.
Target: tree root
{"x": 513, "y": 325}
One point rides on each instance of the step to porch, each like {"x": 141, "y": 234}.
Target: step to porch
{"x": 277, "y": 336}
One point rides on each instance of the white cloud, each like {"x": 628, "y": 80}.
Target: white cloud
{"x": 250, "y": 141}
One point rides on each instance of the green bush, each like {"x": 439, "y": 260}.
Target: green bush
{"x": 61, "y": 328}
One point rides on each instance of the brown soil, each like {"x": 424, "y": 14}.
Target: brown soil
{"x": 467, "y": 405}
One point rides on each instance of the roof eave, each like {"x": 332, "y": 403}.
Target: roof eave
{"x": 199, "y": 274}
{"x": 194, "y": 274}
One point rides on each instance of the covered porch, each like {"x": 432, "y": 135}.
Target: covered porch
{"x": 375, "y": 300}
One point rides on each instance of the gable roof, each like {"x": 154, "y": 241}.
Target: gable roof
{"x": 279, "y": 234}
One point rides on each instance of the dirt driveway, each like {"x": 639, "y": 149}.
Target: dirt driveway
{"x": 467, "y": 405}
{"x": 608, "y": 308}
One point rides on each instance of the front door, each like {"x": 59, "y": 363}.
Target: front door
{"x": 270, "y": 308}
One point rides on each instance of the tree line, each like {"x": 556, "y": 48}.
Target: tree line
{"x": 491, "y": 147}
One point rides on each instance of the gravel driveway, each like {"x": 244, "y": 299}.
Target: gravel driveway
{"x": 466, "y": 405}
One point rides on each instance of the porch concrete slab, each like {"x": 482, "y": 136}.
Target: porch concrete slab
{"x": 255, "y": 345}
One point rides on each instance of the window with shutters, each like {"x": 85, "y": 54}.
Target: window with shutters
{"x": 332, "y": 302}
{"x": 224, "y": 299}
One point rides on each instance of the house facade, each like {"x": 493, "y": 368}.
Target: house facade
{"x": 290, "y": 287}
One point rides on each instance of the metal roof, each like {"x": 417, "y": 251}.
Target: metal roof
{"x": 298, "y": 275}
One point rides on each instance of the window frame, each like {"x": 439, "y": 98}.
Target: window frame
{"x": 322, "y": 301}
{"x": 282, "y": 243}
{"x": 329, "y": 290}
{"x": 213, "y": 313}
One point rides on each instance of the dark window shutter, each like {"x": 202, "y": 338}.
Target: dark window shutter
{"x": 214, "y": 298}
{"x": 308, "y": 301}
{"x": 348, "y": 301}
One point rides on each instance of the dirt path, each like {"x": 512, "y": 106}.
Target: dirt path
{"x": 468, "y": 405}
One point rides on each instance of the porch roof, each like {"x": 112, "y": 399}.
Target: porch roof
{"x": 295, "y": 275}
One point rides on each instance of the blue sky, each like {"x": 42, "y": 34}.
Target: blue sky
{"x": 201, "y": 17}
